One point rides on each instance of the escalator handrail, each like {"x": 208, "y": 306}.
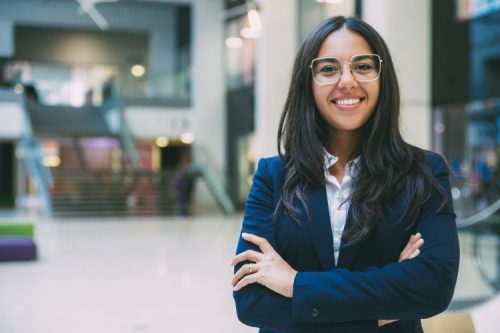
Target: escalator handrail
{"x": 480, "y": 216}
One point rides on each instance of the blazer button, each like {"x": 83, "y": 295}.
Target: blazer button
{"x": 315, "y": 312}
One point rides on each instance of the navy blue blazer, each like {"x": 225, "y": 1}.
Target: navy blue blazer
{"x": 368, "y": 283}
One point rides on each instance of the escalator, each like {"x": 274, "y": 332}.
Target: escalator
{"x": 478, "y": 223}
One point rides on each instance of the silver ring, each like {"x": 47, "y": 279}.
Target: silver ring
{"x": 250, "y": 268}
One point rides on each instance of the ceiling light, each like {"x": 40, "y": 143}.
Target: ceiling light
{"x": 138, "y": 70}
{"x": 187, "y": 138}
{"x": 162, "y": 141}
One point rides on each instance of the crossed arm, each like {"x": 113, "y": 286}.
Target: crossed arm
{"x": 270, "y": 270}
{"x": 411, "y": 289}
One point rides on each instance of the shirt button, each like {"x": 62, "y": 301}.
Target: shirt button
{"x": 315, "y": 312}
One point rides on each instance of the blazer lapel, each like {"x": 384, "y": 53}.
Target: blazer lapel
{"x": 348, "y": 253}
{"x": 320, "y": 228}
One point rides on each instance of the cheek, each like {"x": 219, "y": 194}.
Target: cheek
{"x": 320, "y": 95}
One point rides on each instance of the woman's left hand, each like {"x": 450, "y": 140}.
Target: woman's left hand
{"x": 266, "y": 268}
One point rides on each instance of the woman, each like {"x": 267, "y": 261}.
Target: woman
{"x": 327, "y": 220}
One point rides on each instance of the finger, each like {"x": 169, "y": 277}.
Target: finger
{"x": 244, "y": 270}
{"x": 416, "y": 238}
{"x": 248, "y": 255}
{"x": 413, "y": 239}
{"x": 414, "y": 254}
{"x": 413, "y": 251}
{"x": 410, "y": 242}
{"x": 416, "y": 249}
{"x": 414, "y": 243}
{"x": 252, "y": 278}
{"x": 261, "y": 242}
{"x": 407, "y": 249}
{"x": 416, "y": 246}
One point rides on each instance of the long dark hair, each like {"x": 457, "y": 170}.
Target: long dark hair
{"x": 388, "y": 166}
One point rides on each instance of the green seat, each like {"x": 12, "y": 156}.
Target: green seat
{"x": 17, "y": 229}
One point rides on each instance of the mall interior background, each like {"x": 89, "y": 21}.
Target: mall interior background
{"x": 156, "y": 112}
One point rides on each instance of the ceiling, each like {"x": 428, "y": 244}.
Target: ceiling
{"x": 129, "y": 15}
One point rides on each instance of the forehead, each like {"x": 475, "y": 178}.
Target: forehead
{"x": 344, "y": 43}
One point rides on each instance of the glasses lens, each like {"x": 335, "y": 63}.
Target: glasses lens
{"x": 365, "y": 67}
{"x": 326, "y": 70}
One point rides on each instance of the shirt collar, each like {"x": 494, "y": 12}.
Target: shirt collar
{"x": 330, "y": 160}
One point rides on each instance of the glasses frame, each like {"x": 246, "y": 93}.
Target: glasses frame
{"x": 342, "y": 68}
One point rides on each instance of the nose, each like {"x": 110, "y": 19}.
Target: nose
{"x": 346, "y": 79}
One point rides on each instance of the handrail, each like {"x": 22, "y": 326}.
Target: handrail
{"x": 112, "y": 111}
{"x": 31, "y": 154}
{"x": 206, "y": 168}
{"x": 479, "y": 217}
{"x": 477, "y": 258}
{"x": 33, "y": 159}
{"x": 486, "y": 219}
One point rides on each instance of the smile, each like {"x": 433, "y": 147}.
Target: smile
{"x": 350, "y": 101}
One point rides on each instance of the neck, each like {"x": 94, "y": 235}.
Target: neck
{"x": 343, "y": 145}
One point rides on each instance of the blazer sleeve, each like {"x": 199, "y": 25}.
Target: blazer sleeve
{"x": 257, "y": 305}
{"x": 413, "y": 289}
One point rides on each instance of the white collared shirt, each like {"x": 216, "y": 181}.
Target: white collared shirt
{"x": 336, "y": 194}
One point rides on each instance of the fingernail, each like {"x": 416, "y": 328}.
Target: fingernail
{"x": 244, "y": 235}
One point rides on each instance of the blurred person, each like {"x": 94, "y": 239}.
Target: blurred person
{"x": 183, "y": 184}
{"x": 184, "y": 188}
{"x": 332, "y": 236}
{"x": 31, "y": 93}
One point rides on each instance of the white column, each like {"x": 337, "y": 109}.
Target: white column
{"x": 162, "y": 50}
{"x": 6, "y": 38}
{"x": 207, "y": 78}
{"x": 406, "y": 27}
{"x": 276, "y": 50}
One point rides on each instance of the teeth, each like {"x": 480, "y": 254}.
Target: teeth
{"x": 349, "y": 101}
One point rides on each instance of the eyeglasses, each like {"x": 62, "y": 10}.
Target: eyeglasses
{"x": 364, "y": 67}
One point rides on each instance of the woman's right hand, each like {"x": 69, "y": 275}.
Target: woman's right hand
{"x": 411, "y": 250}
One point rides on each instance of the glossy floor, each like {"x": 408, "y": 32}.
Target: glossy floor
{"x": 146, "y": 275}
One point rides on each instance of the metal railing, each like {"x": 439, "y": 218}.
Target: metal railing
{"x": 214, "y": 180}
{"x": 30, "y": 153}
{"x": 484, "y": 226}
{"x": 113, "y": 114}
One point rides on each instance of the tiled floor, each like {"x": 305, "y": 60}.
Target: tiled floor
{"x": 124, "y": 275}
{"x": 145, "y": 275}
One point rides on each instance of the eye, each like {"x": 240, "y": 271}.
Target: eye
{"x": 363, "y": 67}
{"x": 328, "y": 69}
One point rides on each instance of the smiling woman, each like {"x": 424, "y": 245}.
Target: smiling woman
{"x": 334, "y": 227}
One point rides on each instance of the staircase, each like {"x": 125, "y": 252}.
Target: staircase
{"x": 100, "y": 171}
{"x": 108, "y": 193}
